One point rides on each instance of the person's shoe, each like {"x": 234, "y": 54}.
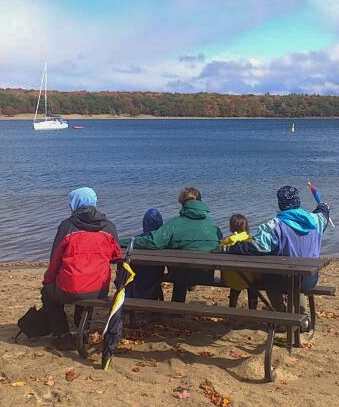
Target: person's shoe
{"x": 64, "y": 342}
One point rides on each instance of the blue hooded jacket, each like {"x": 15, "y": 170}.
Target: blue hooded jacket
{"x": 292, "y": 232}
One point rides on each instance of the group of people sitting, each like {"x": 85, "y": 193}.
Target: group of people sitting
{"x": 87, "y": 243}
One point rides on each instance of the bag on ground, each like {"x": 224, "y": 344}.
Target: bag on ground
{"x": 34, "y": 323}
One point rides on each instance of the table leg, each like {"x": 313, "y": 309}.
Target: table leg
{"x": 290, "y": 308}
{"x": 296, "y": 300}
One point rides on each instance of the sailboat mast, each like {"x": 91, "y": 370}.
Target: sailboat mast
{"x": 45, "y": 73}
{"x": 41, "y": 85}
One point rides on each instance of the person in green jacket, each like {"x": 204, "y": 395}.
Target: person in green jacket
{"x": 193, "y": 229}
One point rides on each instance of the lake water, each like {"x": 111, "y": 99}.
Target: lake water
{"x": 133, "y": 165}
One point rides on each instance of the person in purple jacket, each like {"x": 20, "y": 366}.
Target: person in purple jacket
{"x": 292, "y": 232}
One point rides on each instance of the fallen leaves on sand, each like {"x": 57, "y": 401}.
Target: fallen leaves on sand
{"x": 131, "y": 341}
{"x": 95, "y": 338}
{"x": 48, "y": 381}
{"x": 94, "y": 379}
{"x": 206, "y": 354}
{"x": 150, "y": 363}
{"x": 70, "y": 375}
{"x": 327, "y": 315}
{"x": 216, "y": 398}
{"x": 177, "y": 375}
{"x": 4, "y": 379}
{"x": 38, "y": 354}
{"x": 306, "y": 345}
{"x": 18, "y": 384}
{"x": 181, "y": 393}
{"x": 235, "y": 354}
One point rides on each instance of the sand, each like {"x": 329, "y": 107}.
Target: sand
{"x": 167, "y": 361}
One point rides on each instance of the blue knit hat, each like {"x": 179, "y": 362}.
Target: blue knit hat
{"x": 288, "y": 198}
{"x": 82, "y": 197}
{"x": 152, "y": 220}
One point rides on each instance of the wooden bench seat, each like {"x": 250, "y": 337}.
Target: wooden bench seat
{"x": 262, "y": 317}
{"x": 311, "y": 293}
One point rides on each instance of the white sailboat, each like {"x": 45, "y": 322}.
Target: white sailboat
{"x": 50, "y": 122}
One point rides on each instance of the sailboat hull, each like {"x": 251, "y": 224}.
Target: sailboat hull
{"x": 51, "y": 122}
{"x": 50, "y": 125}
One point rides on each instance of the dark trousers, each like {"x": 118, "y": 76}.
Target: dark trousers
{"x": 179, "y": 292}
{"x": 53, "y": 300}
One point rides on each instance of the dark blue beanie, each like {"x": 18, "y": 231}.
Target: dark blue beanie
{"x": 288, "y": 198}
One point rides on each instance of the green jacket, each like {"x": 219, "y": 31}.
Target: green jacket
{"x": 193, "y": 229}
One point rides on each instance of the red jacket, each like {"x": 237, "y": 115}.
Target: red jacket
{"x": 81, "y": 259}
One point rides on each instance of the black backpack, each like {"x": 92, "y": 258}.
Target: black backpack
{"x": 34, "y": 323}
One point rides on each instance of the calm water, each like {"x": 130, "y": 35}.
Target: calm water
{"x": 135, "y": 164}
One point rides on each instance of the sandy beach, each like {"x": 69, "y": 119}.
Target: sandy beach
{"x": 166, "y": 361}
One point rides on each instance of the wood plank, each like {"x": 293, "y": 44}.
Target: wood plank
{"x": 224, "y": 263}
{"x": 200, "y": 259}
{"x": 271, "y": 259}
{"x": 321, "y": 290}
{"x": 259, "y": 316}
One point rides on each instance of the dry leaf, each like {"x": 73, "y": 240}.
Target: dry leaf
{"x": 307, "y": 345}
{"x": 210, "y": 392}
{"x": 38, "y": 354}
{"x": 94, "y": 379}
{"x": 327, "y": 315}
{"x": 70, "y": 375}
{"x": 34, "y": 378}
{"x": 177, "y": 375}
{"x": 49, "y": 381}
{"x": 95, "y": 338}
{"x": 235, "y": 354}
{"x": 4, "y": 379}
{"x": 206, "y": 354}
{"x": 151, "y": 363}
{"x": 183, "y": 394}
{"x": 18, "y": 384}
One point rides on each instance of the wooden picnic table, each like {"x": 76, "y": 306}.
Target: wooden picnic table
{"x": 292, "y": 267}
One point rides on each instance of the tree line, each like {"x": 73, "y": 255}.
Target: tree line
{"x": 20, "y": 101}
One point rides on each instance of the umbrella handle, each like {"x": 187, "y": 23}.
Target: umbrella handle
{"x": 129, "y": 250}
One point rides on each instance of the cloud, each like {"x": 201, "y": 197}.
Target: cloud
{"x": 192, "y": 59}
{"x": 175, "y": 46}
{"x": 302, "y": 72}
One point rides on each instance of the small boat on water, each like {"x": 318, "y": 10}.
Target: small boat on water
{"x": 78, "y": 127}
{"x": 50, "y": 121}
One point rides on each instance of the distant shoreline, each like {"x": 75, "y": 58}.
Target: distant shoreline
{"x": 126, "y": 117}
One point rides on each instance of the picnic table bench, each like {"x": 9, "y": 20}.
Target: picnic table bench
{"x": 292, "y": 267}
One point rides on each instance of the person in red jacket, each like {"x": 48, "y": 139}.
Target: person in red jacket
{"x": 84, "y": 247}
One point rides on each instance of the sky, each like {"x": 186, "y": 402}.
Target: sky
{"x": 184, "y": 46}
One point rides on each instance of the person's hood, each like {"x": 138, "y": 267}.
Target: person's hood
{"x": 152, "y": 220}
{"x": 82, "y": 197}
{"x": 88, "y": 218}
{"x": 298, "y": 219}
{"x": 195, "y": 209}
